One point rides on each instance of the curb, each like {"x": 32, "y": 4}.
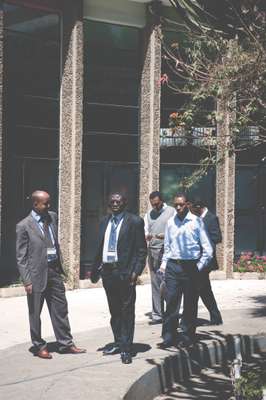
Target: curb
{"x": 17, "y": 291}
{"x": 183, "y": 363}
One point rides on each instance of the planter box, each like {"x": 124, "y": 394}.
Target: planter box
{"x": 249, "y": 275}
{"x": 12, "y": 291}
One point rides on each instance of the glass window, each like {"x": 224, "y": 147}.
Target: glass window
{"x": 250, "y": 209}
{"x": 110, "y": 142}
{"x": 111, "y": 89}
{"x": 31, "y": 114}
{"x": 171, "y": 177}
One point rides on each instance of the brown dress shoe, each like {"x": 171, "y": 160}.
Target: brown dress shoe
{"x": 73, "y": 350}
{"x": 44, "y": 353}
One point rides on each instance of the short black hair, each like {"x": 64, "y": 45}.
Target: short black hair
{"x": 198, "y": 202}
{"x": 183, "y": 195}
{"x": 154, "y": 194}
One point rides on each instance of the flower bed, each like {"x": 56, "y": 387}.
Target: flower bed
{"x": 249, "y": 262}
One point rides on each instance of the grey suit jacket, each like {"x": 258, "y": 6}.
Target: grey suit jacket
{"x": 31, "y": 252}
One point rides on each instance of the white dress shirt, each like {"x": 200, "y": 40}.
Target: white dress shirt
{"x": 204, "y": 212}
{"x": 120, "y": 218}
{"x": 187, "y": 239}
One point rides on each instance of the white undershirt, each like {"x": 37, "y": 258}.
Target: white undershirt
{"x": 106, "y": 241}
{"x": 204, "y": 212}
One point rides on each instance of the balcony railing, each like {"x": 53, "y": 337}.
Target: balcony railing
{"x": 203, "y": 137}
{"x": 200, "y": 136}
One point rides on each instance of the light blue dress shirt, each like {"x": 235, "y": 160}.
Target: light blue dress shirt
{"x": 37, "y": 218}
{"x": 119, "y": 218}
{"x": 187, "y": 239}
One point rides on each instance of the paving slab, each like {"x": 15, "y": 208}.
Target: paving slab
{"x": 93, "y": 376}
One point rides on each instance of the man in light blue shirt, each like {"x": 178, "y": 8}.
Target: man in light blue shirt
{"x": 187, "y": 251}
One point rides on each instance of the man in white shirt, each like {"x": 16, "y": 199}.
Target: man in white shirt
{"x": 121, "y": 256}
{"x": 155, "y": 222}
{"x": 187, "y": 251}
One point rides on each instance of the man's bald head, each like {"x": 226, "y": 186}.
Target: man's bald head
{"x": 39, "y": 195}
{"x": 40, "y": 201}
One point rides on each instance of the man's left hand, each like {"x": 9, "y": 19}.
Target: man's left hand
{"x": 133, "y": 279}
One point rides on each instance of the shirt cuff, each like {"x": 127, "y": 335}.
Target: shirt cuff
{"x": 200, "y": 265}
{"x": 163, "y": 265}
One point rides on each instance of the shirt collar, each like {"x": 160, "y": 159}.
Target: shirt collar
{"x": 36, "y": 216}
{"x": 188, "y": 217}
{"x": 164, "y": 206}
{"x": 118, "y": 216}
{"x": 204, "y": 212}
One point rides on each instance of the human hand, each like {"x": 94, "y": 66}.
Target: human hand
{"x": 149, "y": 237}
{"x": 87, "y": 275}
{"x": 28, "y": 288}
{"x": 133, "y": 279}
{"x": 160, "y": 236}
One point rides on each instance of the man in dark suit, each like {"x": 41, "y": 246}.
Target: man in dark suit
{"x": 40, "y": 266}
{"x": 121, "y": 256}
{"x": 212, "y": 227}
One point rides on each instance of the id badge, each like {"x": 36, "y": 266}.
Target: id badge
{"x": 51, "y": 252}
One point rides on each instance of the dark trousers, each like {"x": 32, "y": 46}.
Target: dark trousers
{"x": 55, "y": 297}
{"x": 180, "y": 278}
{"x": 207, "y": 296}
{"x": 121, "y": 297}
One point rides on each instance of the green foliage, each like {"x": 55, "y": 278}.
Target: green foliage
{"x": 222, "y": 59}
{"x": 250, "y": 385}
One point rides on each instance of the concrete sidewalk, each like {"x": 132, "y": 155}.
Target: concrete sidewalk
{"x": 92, "y": 376}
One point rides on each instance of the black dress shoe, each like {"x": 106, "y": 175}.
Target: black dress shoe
{"x": 126, "y": 358}
{"x": 165, "y": 344}
{"x": 109, "y": 351}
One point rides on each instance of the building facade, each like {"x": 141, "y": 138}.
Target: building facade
{"x": 81, "y": 114}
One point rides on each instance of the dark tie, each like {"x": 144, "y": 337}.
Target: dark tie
{"x": 112, "y": 238}
{"x": 47, "y": 236}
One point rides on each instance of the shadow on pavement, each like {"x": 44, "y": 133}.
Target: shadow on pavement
{"x": 260, "y": 311}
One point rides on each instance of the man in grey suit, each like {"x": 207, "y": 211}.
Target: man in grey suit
{"x": 40, "y": 266}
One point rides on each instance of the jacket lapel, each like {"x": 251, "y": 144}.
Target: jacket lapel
{"x": 34, "y": 226}
{"x": 103, "y": 227}
{"x": 54, "y": 229}
{"x": 124, "y": 226}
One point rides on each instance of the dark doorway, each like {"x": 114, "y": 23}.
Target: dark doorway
{"x": 250, "y": 212}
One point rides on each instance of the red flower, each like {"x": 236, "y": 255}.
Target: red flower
{"x": 163, "y": 80}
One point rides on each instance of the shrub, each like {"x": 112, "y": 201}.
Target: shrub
{"x": 249, "y": 262}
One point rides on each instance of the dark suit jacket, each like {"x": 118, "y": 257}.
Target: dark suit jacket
{"x": 131, "y": 246}
{"x": 213, "y": 229}
{"x": 31, "y": 252}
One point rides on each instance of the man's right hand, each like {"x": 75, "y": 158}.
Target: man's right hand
{"x": 28, "y": 289}
{"x": 149, "y": 237}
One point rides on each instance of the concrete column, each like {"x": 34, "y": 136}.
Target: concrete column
{"x": 149, "y": 117}
{"x": 225, "y": 189}
{"x": 71, "y": 110}
{"x": 1, "y": 117}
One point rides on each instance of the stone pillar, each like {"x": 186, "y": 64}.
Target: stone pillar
{"x": 71, "y": 110}
{"x": 225, "y": 189}
{"x": 149, "y": 115}
{"x": 1, "y": 116}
